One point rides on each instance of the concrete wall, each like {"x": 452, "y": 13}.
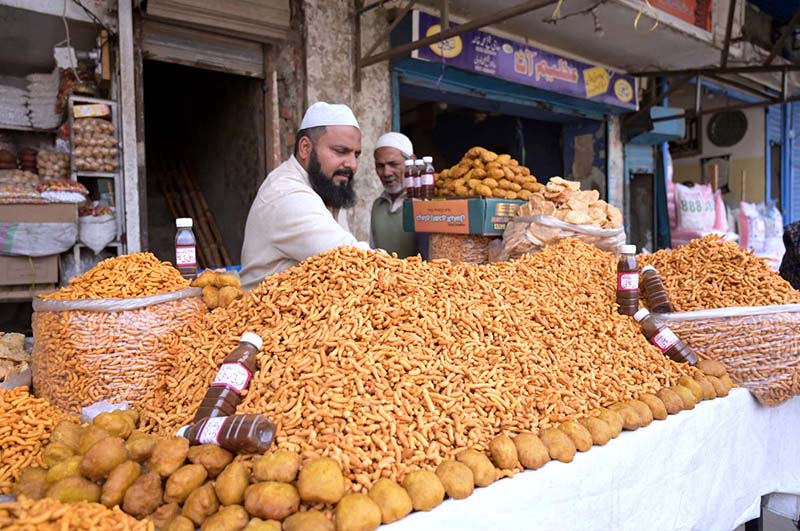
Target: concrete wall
{"x": 748, "y": 155}
{"x": 329, "y": 27}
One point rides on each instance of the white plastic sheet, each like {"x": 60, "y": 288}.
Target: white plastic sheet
{"x": 699, "y": 470}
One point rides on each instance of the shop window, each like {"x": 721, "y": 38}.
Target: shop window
{"x": 642, "y": 210}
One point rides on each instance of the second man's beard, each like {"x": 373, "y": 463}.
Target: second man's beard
{"x": 332, "y": 194}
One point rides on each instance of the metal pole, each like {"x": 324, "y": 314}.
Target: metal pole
{"x": 726, "y": 46}
{"x": 759, "y": 69}
{"x": 479, "y": 22}
{"x": 385, "y": 33}
{"x": 742, "y": 86}
{"x": 698, "y": 94}
{"x": 785, "y": 35}
{"x": 444, "y": 14}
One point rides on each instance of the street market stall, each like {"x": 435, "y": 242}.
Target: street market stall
{"x": 383, "y": 386}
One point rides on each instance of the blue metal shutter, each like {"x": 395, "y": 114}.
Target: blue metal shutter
{"x": 793, "y": 201}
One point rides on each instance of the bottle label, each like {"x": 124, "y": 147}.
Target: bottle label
{"x": 234, "y": 376}
{"x": 665, "y": 339}
{"x": 417, "y": 182}
{"x": 408, "y": 182}
{"x": 209, "y": 433}
{"x": 427, "y": 179}
{"x": 627, "y": 281}
{"x": 185, "y": 255}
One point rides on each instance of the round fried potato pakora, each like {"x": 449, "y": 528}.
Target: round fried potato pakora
{"x": 456, "y": 478}
{"x": 271, "y": 500}
{"x": 482, "y": 468}
{"x": 357, "y": 512}
{"x": 392, "y": 499}
{"x": 280, "y": 465}
{"x": 321, "y": 481}
{"x": 425, "y": 489}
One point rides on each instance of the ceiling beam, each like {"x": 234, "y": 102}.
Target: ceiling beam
{"x": 480, "y": 22}
{"x": 778, "y": 46}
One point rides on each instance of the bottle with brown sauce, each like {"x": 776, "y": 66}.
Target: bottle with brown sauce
{"x": 665, "y": 339}
{"x": 628, "y": 281}
{"x": 233, "y": 377}
{"x": 657, "y": 297}
{"x": 246, "y": 434}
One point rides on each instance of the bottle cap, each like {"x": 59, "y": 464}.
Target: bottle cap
{"x": 628, "y": 249}
{"x": 427, "y": 160}
{"x": 648, "y": 268}
{"x": 409, "y": 162}
{"x": 641, "y": 314}
{"x": 419, "y": 162}
{"x": 181, "y": 431}
{"x": 183, "y": 223}
{"x": 252, "y": 338}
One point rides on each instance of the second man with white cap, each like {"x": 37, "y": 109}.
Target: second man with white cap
{"x": 386, "y": 222}
{"x": 299, "y": 210}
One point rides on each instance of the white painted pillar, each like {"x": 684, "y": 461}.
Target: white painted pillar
{"x": 128, "y": 120}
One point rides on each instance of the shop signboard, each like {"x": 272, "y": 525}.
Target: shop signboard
{"x": 459, "y": 216}
{"x": 695, "y": 12}
{"x": 488, "y": 54}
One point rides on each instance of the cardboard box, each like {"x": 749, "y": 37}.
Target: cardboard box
{"x": 45, "y": 213}
{"x": 27, "y": 270}
{"x": 459, "y": 216}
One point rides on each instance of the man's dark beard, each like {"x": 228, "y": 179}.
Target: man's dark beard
{"x": 332, "y": 194}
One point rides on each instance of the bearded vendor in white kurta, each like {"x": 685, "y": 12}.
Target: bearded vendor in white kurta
{"x": 299, "y": 211}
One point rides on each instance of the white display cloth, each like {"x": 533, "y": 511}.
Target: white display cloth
{"x": 703, "y": 470}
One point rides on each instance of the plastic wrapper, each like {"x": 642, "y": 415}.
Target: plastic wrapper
{"x": 107, "y": 349}
{"x": 95, "y": 146}
{"x": 467, "y": 248}
{"x": 525, "y": 235}
{"x": 36, "y": 239}
{"x": 63, "y": 191}
{"x": 759, "y": 345}
{"x": 52, "y": 165}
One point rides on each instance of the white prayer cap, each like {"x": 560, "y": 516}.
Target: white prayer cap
{"x": 322, "y": 114}
{"x": 399, "y": 141}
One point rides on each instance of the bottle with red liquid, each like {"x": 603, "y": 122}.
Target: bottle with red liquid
{"x": 408, "y": 179}
{"x": 233, "y": 377}
{"x": 428, "y": 179}
{"x": 628, "y": 281}
{"x": 419, "y": 169}
{"x": 245, "y": 434}
{"x": 665, "y": 339}
{"x": 185, "y": 248}
{"x": 657, "y": 297}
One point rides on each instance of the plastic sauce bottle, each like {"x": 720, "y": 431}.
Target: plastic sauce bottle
{"x": 246, "y": 434}
{"x": 665, "y": 339}
{"x": 628, "y": 281}
{"x": 233, "y": 377}
{"x": 408, "y": 179}
{"x": 657, "y": 297}
{"x": 428, "y": 179}
{"x": 419, "y": 169}
{"x": 185, "y": 248}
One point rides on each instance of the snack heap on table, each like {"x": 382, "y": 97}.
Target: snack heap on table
{"x": 386, "y": 396}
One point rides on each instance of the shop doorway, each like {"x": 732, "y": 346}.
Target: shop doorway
{"x": 548, "y": 143}
{"x": 204, "y": 134}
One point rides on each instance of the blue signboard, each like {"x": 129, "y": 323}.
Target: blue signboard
{"x": 484, "y": 53}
